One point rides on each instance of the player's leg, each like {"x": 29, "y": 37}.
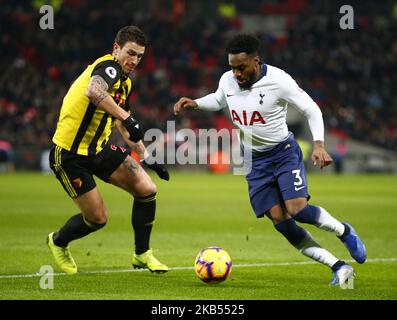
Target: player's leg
{"x": 303, "y": 212}
{"x": 92, "y": 217}
{"x": 293, "y": 183}
{"x": 302, "y": 240}
{"x": 80, "y": 186}
{"x": 292, "y": 179}
{"x": 266, "y": 198}
{"x": 130, "y": 176}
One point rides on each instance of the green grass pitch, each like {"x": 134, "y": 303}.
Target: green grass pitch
{"x": 196, "y": 210}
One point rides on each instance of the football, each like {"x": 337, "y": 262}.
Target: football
{"x": 213, "y": 265}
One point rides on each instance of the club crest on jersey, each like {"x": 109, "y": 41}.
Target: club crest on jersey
{"x": 261, "y": 96}
{"x": 118, "y": 98}
{"x": 254, "y": 118}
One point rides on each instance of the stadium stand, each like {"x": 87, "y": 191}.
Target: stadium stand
{"x": 350, "y": 73}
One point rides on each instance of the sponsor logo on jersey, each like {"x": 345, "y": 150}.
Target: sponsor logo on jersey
{"x": 242, "y": 119}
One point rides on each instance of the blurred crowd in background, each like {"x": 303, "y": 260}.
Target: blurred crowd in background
{"x": 351, "y": 74}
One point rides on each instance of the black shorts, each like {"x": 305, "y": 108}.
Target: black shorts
{"x": 75, "y": 172}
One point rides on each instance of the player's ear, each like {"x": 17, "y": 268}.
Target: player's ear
{"x": 116, "y": 47}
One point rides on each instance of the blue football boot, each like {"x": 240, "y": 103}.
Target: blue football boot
{"x": 354, "y": 244}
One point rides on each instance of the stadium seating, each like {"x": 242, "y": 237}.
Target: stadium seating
{"x": 350, "y": 73}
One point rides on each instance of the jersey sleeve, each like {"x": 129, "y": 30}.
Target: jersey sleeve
{"x": 291, "y": 92}
{"x": 213, "y": 101}
{"x": 109, "y": 70}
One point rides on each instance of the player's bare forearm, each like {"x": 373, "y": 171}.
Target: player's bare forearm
{"x": 98, "y": 95}
{"x": 109, "y": 106}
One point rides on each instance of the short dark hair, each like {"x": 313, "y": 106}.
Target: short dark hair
{"x": 247, "y": 43}
{"x": 131, "y": 33}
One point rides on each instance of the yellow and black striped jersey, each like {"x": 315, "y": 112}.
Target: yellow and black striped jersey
{"x": 82, "y": 127}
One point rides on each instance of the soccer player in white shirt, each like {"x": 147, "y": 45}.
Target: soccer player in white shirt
{"x": 257, "y": 96}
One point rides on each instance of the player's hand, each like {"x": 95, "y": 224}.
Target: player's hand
{"x": 160, "y": 169}
{"x": 320, "y": 155}
{"x": 184, "y": 103}
{"x": 133, "y": 129}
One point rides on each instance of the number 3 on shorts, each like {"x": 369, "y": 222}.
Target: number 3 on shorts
{"x": 298, "y": 181}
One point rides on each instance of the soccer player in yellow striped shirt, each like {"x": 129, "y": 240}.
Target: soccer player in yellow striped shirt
{"x": 97, "y": 102}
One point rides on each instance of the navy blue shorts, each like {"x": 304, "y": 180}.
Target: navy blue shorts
{"x": 277, "y": 175}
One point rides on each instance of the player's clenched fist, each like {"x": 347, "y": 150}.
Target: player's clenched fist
{"x": 133, "y": 129}
{"x": 184, "y": 103}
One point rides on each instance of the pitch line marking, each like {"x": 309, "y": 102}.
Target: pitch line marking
{"x": 249, "y": 265}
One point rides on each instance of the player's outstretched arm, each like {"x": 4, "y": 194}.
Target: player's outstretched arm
{"x": 184, "y": 102}
{"x": 320, "y": 155}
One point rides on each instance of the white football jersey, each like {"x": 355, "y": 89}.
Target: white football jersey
{"x": 261, "y": 111}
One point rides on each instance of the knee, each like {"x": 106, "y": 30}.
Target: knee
{"x": 277, "y": 220}
{"x": 102, "y": 217}
{"x": 147, "y": 189}
{"x": 277, "y": 214}
{"x": 98, "y": 220}
{"x": 151, "y": 189}
{"x": 296, "y": 205}
{"x": 100, "y": 223}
